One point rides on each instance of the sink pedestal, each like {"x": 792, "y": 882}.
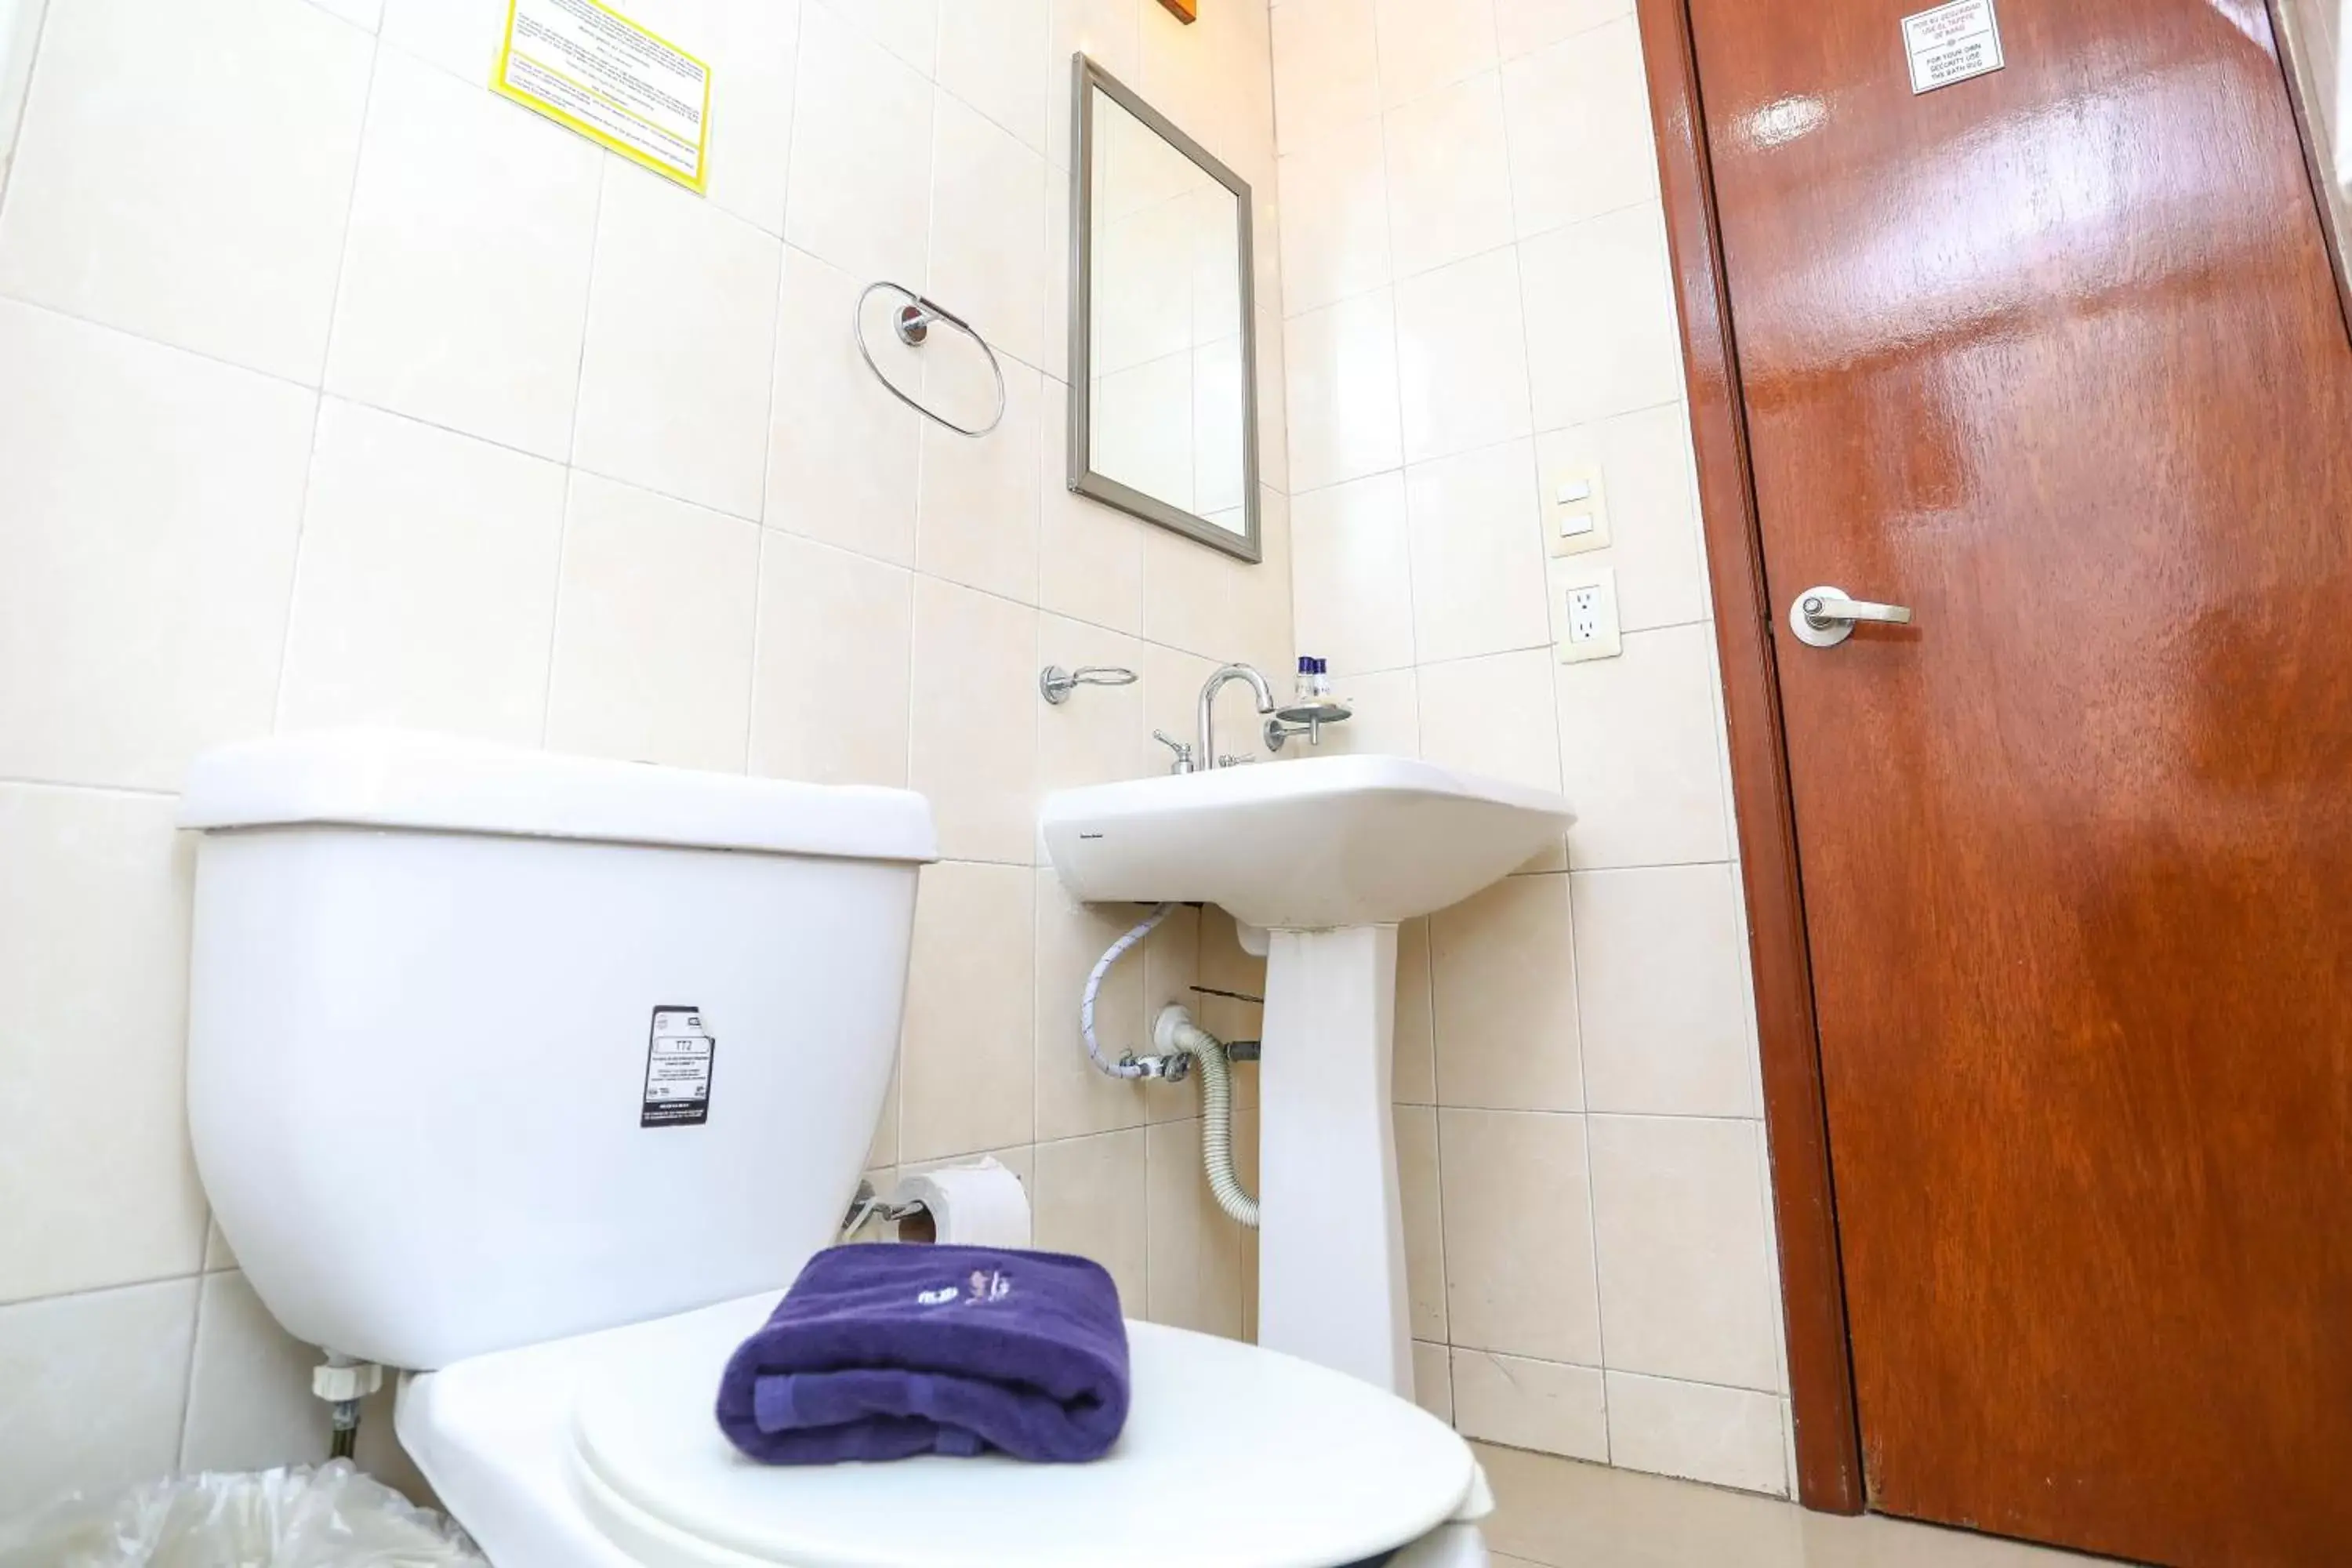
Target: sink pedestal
{"x": 1331, "y": 1285}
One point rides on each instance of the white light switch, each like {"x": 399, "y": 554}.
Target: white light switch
{"x": 1576, "y": 511}
{"x": 1586, "y": 601}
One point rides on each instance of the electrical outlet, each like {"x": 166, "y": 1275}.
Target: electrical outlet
{"x": 1576, "y": 511}
{"x": 1588, "y": 607}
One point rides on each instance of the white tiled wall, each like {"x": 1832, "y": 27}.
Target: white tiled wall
{"x": 333, "y": 387}
{"x": 1476, "y": 279}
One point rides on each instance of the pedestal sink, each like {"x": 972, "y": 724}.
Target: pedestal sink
{"x": 1325, "y": 855}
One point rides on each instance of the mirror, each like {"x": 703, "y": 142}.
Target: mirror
{"x": 2311, "y": 35}
{"x": 1164, "y": 390}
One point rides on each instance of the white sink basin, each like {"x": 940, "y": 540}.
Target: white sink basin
{"x": 1327, "y": 855}
{"x": 1305, "y": 846}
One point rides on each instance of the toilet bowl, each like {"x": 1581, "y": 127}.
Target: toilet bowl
{"x": 541, "y": 1077}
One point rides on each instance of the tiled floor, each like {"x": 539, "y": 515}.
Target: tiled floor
{"x": 1557, "y": 1513}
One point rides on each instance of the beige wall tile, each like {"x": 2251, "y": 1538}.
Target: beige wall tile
{"x": 1662, "y": 992}
{"x": 1386, "y": 719}
{"x": 1478, "y": 584}
{"x": 831, "y": 687}
{"x": 1519, "y": 1235}
{"x": 1335, "y": 217}
{"x": 908, "y": 28}
{"x": 94, "y": 972}
{"x": 1524, "y": 26}
{"x": 1099, "y": 735}
{"x": 1090, "y": 558}
{"x": 151, "y": 501}
{"x": 1600, "y": 330}
{"x": 1424, "y": 1240}
{"x": 1641, "y": 753}
{"x": 1449, "y": 176}
{"x": 988, "y": 205}
{"x": 1580, "y": 128}
{"x": 1327, "y": 69}
{"x": 249, "y": 1402}
{"x": 465, "y": 275}
{"x": 1220, "y": 607}
{"x": 1726, "y": 1436}
{"x": 1345, "y": 416}
{"x": 974, "y": 749}
{"x": 1682, "y": 1231}
{"x": 861, "y": 168}
{"x": 884, "y": 1149}
{"x": 1226, "y": 966}
{"x": 97, "y": 1386}
{"x": 976, "y": 515}
{"x": 994, "y": 58}
{"x": 1644, "y": 459}
{"x": 1503, "y": 980}
{"x": 425, "y": 589}
{"x": 134, "y": 198}
{"x": 1171, "y": 960}
{"x": 1462, "y": 357}
{"x": 1416, "y": 1028}
{"x": 461, "y": 37}
{"x": 1425, "y": 44}
{"x": 653, "y": 612}
{"x": 967, "y": 1070}
{"x": 1090, "y": 1198}
{"x": 1073, "y": 1096}
{"x": 841, "y": 450}
{"x": 1486, "y": 716}
{"x": 1195, "y": 1279}
{"x": 1433, "y": 1380}
{"x": 1537, "y": 1404}
{"x": 1273, "y": 386}
{"x": 1355, "y": 584}
{"x": 675, "y": 375}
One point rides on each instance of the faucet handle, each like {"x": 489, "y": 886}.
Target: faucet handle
{"x": 1182, "y": 761}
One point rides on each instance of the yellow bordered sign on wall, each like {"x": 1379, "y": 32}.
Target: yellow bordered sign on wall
{"x": 584, "y": 64}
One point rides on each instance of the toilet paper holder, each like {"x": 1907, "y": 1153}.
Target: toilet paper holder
{"x": 868, "y": 1205}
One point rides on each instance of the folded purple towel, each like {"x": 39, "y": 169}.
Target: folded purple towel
{"x": 879, "y": 1352}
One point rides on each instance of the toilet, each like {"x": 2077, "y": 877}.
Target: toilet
{"x": 538, "y": 1078}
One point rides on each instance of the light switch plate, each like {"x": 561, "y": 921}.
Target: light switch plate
{"x": 1587, "y": 603}
{"x": 1575, "y": 510}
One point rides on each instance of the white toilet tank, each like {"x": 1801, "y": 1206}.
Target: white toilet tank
{"x": 492, "y": 1047}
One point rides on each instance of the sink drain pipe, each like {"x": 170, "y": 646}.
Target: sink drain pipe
{"x": 1181, "y": 1043}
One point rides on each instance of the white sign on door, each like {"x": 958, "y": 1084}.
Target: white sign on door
{"x": 1952, "y": 43}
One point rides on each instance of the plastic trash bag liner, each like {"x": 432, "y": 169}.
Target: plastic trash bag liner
{"x": 330, "y": 1517}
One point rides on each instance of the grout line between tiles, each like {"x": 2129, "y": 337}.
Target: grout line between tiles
{"x": 188, "y": 1383}
{"x": 319, "y": 396}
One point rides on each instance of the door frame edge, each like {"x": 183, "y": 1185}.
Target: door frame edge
{"x": 1830, "y": 1476}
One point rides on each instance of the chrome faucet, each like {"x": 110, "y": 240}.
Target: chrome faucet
{"x": 1207, "y": 756}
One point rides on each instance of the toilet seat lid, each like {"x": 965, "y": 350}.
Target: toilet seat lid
{"x": 1233, "y": 1457}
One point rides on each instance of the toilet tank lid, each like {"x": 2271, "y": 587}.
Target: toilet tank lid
{"x": 396, "y": 778}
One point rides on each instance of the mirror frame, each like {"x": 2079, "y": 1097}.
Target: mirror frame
{"x": 1085, "y": 76}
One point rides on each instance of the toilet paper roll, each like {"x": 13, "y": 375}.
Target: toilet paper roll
{"x": 977, "y": 1204}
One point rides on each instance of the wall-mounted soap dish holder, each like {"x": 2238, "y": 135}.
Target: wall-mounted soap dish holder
{"x": 1306, "y": 719}
{"x": 1054, "y": 684}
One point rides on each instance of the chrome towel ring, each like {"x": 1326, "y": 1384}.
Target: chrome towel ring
{"x": 913, "y": 324}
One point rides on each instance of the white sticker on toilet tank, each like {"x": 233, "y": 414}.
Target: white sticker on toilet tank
{"x": 678, "y": 1068}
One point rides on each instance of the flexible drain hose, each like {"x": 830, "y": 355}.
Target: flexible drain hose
{"x": 1128, "y": 1066}
{"x": 1178, "y": 1037}
{"x": 1176, "y": 1034}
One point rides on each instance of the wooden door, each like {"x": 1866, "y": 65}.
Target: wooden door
{"x": 2054, "y": 358}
